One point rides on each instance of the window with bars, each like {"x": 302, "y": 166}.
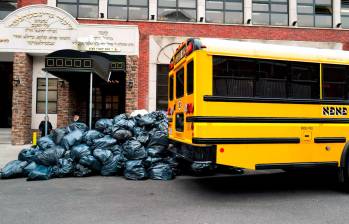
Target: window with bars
{"x": 177, "y": 10}
{"x": 6, "y": 7}
{"x": 335, "y": 83}
{"x": 270, "y": 12}
{"x": 261, "y": 78}
{"x": 316, "y": 13}
{"x": 80, "y": 8}
{"x": 345, "y": 13}
{"x": 224, "y": 11}
{"x": 162, "y": 87}
{"x": 128, "y": 9}
{"x": 41, "y": 96}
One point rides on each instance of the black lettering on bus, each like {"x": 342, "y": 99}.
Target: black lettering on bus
{"x": 345, "y": 111}
{"x": 325, "y": 111}
{"x": 332, "y": 111}
{"x": 338, "y": 111}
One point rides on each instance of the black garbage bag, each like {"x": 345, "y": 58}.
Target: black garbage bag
{"x": 104, "y": 143}
{"x": 81, "y": 171}
{"x": 91, "y": 135}
{"x": 145, "y": 120}
{"x": 116, "y": 149}
{"x": 13, "y": 169}
{"x": 50, "y": 156}
{"x": 161, "y": 171}
{"x": 91, "y": 162}
{"x": 79, "y": 151}
{"x": 143, "y": 138}
{"x": 134, "y": 150}
{"x": 156, "y": 151}
{"x": 158, "y": 138}
{"x": 40, "y": 172}
{"x": 67, "y": 154}
{"x": 119, "y": 117}
{"x": 73, "y": 138}
{"x": 29, "y": 154}
{"x": 128, "y": 124}
{"x": 202, "y": 168}
{"x": 134, "y": 170}
{"x": 58, "y": 134}
{"x": 78, "y": 126}
{"x": 63, "y": 168}
{"x": 112, "y": 166}
{"x": 45, "y": 142}
{"x": 158, "y": 115}
{"x": 29, "y": 168}
{"x": 138, "y": 131}
{"x": 150, "y": 161}
{"x": 104, "y": 125}
{"x": 121, "y": 134}
{"x": 103, "y": 155}
{"x": 162, "y": 126}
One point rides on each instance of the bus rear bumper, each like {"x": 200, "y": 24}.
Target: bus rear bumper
{"x": 194, "y": 153}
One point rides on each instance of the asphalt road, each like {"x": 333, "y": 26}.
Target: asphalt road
{"x": 253, "y": 198}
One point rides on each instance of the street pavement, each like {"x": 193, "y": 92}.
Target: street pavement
{"x": 9, "y": 152}
{"x": 263, "y": 197}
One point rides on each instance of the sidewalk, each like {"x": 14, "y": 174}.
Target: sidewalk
{"x": 9, "y": 152}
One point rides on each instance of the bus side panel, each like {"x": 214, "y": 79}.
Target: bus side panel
{"x": 250, "y": 155}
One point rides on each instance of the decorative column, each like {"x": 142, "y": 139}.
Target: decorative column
{"x": 22, "y": 98}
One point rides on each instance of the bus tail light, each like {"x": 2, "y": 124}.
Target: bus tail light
{"x": 190, "y": 48}
{"x": 190, "y": 108}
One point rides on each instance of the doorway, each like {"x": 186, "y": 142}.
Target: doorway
{"x": 109, "y": 98}
{"x": 6, "y": 74}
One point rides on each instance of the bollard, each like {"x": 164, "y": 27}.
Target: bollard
{"x": 34, "y": 138}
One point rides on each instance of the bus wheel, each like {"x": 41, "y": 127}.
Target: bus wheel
{"x": 343, "y": 176}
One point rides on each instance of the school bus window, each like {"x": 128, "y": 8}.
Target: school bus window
{"x": 180, "y": 83}
{"x": 272, "y": 79}
{"x": 233, "y": 76}
{"x": 335, "y": 82}
{"x": 190, "y": 78}
{"x": 304, "y": 81}
{"x": 171, "y": 88}
{"x": 242, "y": 77}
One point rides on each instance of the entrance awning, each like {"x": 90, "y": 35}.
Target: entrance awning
{"x": 72, "y": 65}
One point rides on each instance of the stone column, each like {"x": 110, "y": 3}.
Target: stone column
{"x": 336, "y": 12}
{"x": 248, "y": 11}
{"x": 131, "y": 83}
{"x": 22, "y": 99}
{"x": 292, "y": 12}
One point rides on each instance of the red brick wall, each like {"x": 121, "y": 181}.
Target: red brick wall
{"x": 218, "y": 31}
{"x": 22, "y": 98}
{"x": 21, "y": 3}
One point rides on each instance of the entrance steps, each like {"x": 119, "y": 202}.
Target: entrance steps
{"x": 5, "y": 135}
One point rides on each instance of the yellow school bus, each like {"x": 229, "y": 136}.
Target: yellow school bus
{"x": 260, "y": 106}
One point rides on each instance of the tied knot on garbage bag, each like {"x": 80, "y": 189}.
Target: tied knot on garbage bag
{"x": 133, "y": 146}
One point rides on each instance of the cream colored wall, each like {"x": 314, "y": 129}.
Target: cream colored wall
{"x": 38, "y": 65}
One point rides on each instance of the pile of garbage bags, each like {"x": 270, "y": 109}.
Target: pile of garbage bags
{"x": 133, "y": 147}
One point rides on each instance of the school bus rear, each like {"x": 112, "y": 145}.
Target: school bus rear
{"x": 253, "y": 132}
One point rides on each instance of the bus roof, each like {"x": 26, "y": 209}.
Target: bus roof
{"x": 273, "y": 51}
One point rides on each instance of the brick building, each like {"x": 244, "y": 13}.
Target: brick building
{"x": 145, "y": 33}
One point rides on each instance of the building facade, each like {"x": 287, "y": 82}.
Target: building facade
{"x": 144, "y": 33}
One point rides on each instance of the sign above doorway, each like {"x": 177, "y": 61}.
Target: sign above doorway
{"x": 44, "y": 29}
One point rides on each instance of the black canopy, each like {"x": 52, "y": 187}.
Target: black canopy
{"x": 73, "y": 65}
